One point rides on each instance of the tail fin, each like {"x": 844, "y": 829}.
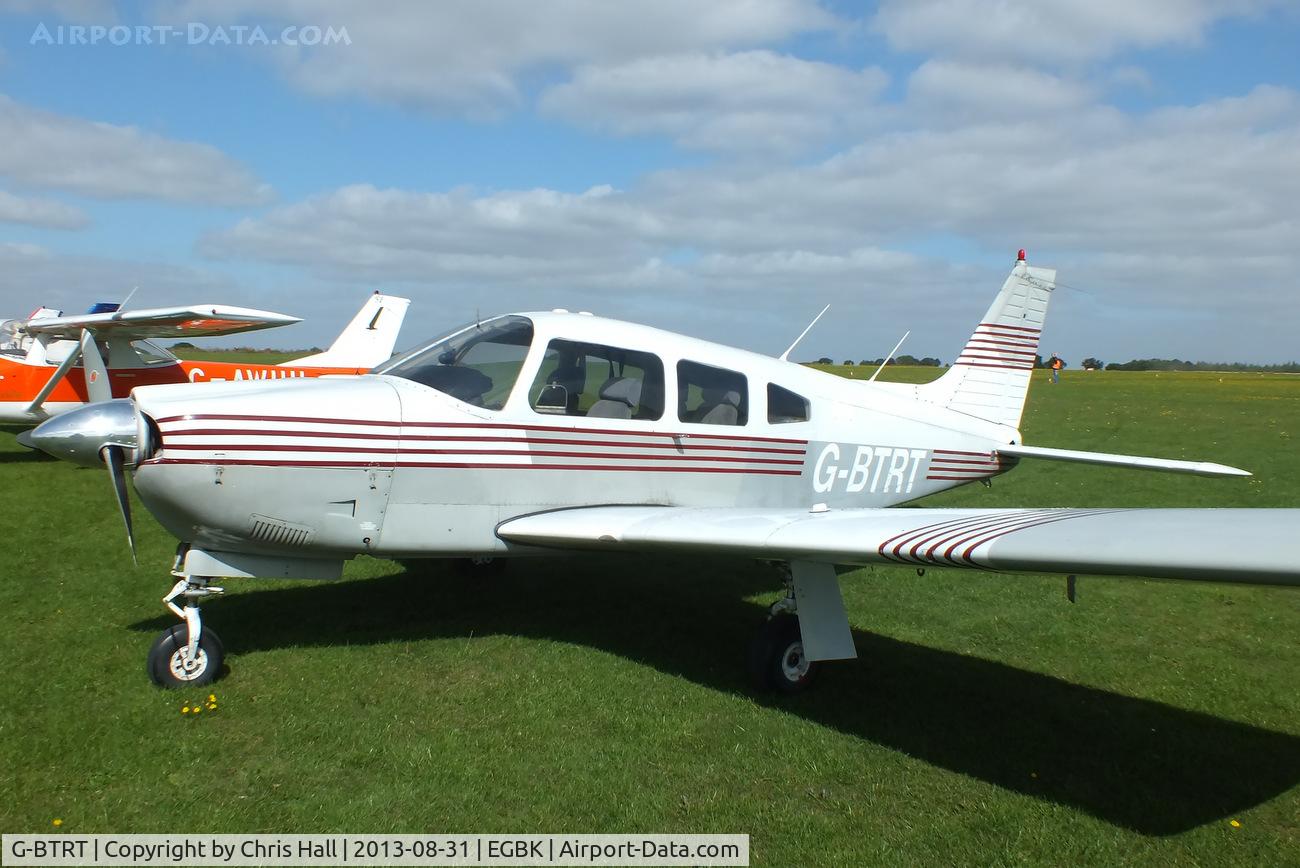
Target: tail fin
{"x": 990, "y": 378}
{"x": 368, "y": 339}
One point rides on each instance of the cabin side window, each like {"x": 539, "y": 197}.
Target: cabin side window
{"x": 598, "y": 381}
{"x": 711, "y": 396}
{"x": 785, "y": 406}
{"x": 126, "y": 353}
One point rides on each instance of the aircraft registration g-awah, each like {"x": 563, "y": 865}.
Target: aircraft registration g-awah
{"x": 530, "y": 433}
{"x": 50, "y": 363}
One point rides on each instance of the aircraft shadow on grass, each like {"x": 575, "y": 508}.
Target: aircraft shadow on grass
{"x": 1134, "y": 763}
{"x": 27, "y": 456}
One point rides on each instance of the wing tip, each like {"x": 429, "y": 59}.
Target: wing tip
{"x": 1225, "y": 470}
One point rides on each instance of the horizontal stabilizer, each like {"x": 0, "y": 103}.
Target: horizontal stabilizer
{"x": 1168, "y": 465}
{"x": 1257, "y": 546}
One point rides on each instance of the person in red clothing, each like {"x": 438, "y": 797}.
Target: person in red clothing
{"x": 1056, "y": 364}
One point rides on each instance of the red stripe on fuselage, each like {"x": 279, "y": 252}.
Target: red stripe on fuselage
{"x": 343, "y": 435}
{"x": 352, "y": 450}
{"x": 463, "y": 466}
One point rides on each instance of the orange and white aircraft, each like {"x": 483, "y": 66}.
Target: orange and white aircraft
{"x": 109, "y": 352}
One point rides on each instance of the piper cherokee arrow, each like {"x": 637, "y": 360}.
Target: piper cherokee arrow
{"x": 535, "y": 432}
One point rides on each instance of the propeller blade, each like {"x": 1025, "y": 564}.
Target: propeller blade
{"x": 113, "y": 457}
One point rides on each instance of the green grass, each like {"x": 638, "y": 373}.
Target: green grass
{"x": 987, "y": 721}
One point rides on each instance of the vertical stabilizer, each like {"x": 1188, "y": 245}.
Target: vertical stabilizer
{"x": 368, "y": 339}
{"x": 990, "y": 378}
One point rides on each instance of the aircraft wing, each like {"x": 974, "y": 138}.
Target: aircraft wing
{"x": 162, "y": 322}
{"x": 1258, "y": 546}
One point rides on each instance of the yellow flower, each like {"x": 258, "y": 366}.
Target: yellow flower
{"x": 58, "y": 822}
{"x": 212, "y": 697}
{"x": 185, "y": 709}
{"x": 211, "y": 706}
{"x": 1236, "y": 824}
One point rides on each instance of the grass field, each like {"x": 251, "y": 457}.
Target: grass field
{"x": 987, "y": 721}
{"x": 260, "y": 357}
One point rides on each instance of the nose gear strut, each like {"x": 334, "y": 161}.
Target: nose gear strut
{"x": 189, "y": 654}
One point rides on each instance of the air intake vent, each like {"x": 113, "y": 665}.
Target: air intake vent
{"x": 276, "y": 531}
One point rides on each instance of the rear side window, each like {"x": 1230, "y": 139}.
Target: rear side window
{"x": 785, "y": 406}
{"x": 598, "y": 381}
{"x": 711, "y": 396}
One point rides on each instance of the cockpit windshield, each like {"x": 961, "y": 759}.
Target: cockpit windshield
{"x": 13, "y": 340}
{"x": 478, "y": 364}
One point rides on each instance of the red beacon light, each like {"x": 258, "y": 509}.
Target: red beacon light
{"x": 1020, "y": 255}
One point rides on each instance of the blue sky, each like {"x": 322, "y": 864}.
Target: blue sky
{"x": 722, "y": 170}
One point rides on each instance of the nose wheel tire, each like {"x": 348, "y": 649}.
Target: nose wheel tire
{"x": 171, "y": 666}
{"x": 776, "y": 656}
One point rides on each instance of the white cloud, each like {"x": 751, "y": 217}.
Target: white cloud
{"x": 531, "y": 236}
{"x": 961, "y": 90}
{"x": 1175, "y": 181}
{"x": 46, "y": 213}
{"x": 1051, "y": 31}
{"x": 756, "y": 101}
{"x": 1000, "y": 140}
{"x": 32, "y": 275}
{"x": 471, "y": 57}
{"x": 47, "y": 150}
{"x": 1186, "y": 208}
{"x": 1131, "y": 78}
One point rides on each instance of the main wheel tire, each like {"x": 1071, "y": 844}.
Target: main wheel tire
{"x": 776, "y": 656}
{"x": 168, "y": 666}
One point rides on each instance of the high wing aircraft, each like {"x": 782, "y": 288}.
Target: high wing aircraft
{"x": 541, "y": 432}
{"x": 50, "y": 363}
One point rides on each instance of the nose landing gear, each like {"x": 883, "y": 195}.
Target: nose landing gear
{"x": 189, "y": 654}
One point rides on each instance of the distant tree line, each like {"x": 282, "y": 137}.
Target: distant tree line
{"x": 1180, "y": 365}
{"x": 1095, "y": 364}
{"x": 186, "y": 345}
{"x": 927, "y": 362}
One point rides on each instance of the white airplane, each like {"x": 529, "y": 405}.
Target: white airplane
{"x": 541, "y": 432}
{"x": 51, "y": 363}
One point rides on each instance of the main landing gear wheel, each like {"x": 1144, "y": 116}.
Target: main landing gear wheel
{"x": 776, "y": 657}
{"x": 171, "y": 665}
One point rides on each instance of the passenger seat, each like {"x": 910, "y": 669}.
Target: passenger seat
{"x": 720, "y": 407}
{"x": 618, "y": 398}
